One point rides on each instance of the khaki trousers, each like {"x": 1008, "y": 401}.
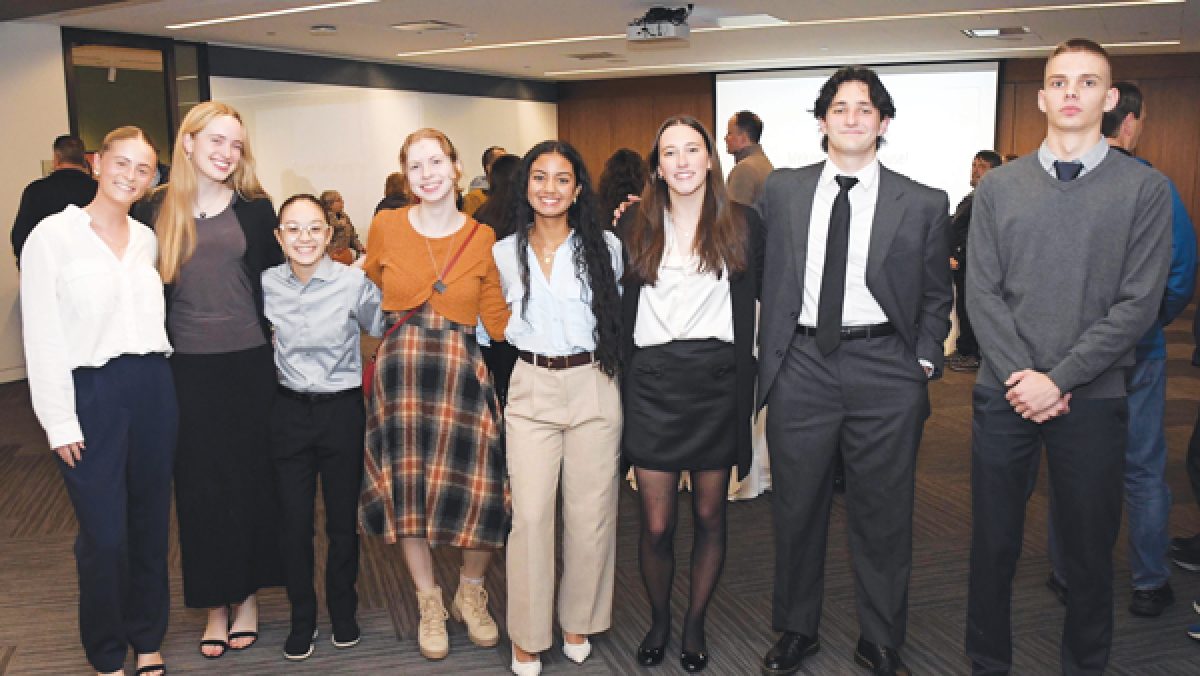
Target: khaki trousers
{"x": 561, "y": 425}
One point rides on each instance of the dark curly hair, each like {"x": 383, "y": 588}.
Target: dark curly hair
{"x": 624, "y": 175}
{"x": 497, "y": 212}
{"x": 880, "y": 98}
{"x": 592, "y": 258}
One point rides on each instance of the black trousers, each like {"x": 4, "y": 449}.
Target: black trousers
{"x": 309, "y": 440}
{"x": 869, "y": 398}
{"x": 1085, "y": 456}
{"x": 1193, "y": 461}
{"x": 121, "y": 491}
{"x": 966, "y": 345}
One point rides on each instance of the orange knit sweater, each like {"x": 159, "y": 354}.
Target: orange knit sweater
{"x": 398, "y": 261}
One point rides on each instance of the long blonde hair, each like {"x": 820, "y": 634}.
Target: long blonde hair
{"x": 175, "y": 227}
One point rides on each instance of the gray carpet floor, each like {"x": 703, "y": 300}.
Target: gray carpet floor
{"x": 38, "y": 596}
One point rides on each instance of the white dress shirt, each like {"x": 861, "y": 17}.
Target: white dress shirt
{"x": 684, "y": 304}
{"x": 859, "y": 307}
{"x": 558, "y": 321}
{"x": 81, "y": 307}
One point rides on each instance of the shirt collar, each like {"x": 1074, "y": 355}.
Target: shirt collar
{"x": 324, "y": 271}
{"x": 867, "y": 177}
{"x": 1090, "y": 159}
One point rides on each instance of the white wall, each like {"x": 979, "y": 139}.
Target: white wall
{"x": 33, "y": 89}
{"x": 311, "y": 138}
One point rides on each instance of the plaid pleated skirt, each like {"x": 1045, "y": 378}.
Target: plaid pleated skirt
{"x": 435, "y": 464}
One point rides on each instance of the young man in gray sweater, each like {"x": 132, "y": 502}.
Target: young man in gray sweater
{"x": 1070, "y": 249}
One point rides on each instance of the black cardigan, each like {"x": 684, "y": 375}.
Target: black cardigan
{"x": 258, "y": 220}
{"x": 744, "y": 291}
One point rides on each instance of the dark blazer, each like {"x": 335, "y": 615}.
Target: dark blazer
{"x": 908, "y": 265}
{"x": 258, "y": 220}
{"x": 47, "y": 196}
{"x": 743, "y": 291}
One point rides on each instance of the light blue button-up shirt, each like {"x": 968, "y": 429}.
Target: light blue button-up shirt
{"x": 1090, "y": 159}
{"x": 558, "y": 320}
{"x": 318, "y": 325}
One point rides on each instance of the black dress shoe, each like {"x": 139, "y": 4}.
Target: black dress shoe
{"x": 881, "y": 660}
{"x": 651, "y": 657}
{"x": 788, "y": 653}
{"x": 1151, "y": 602}
{"x": 693, "y": 662}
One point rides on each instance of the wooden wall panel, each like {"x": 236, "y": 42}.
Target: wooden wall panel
{"x": 1006, "y": 111}
{"x": 599, "y": 117}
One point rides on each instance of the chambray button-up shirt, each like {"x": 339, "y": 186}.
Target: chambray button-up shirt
{"x": 318, "y": 325}
{"x": 558, "y": 320}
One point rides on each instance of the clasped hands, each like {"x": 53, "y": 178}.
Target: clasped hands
{"x": 1035, "y": 397}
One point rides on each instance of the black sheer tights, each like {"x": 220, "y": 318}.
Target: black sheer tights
{"x": 659, "y": 492}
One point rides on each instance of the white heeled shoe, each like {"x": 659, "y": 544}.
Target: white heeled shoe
{"x": 577, "y": 652}
{"x": 526, "y": 668}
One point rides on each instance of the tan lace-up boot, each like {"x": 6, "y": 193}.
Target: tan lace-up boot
{"x": 470, "y": 607}
{"x": 431, "y": 635}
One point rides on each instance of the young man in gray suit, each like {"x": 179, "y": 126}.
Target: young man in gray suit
{"x": 854, "y": 315}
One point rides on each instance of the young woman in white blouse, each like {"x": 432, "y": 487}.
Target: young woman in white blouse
{"x": 690, "y": 287}
{"x": 96, "y": 354}
{"x": 563, "y": 420}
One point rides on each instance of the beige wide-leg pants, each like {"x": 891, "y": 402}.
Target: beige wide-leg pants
{"x": 561, "y": 424}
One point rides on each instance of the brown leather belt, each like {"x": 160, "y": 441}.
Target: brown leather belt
{"x": 556, "y": 363}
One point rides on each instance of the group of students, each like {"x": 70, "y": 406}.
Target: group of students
{"x": 634, "y": 347}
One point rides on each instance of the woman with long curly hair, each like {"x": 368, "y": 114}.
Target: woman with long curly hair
{"x": 563, "y": 422}
{"x": 216, "y": 234}
{"x": 689, "y": 309}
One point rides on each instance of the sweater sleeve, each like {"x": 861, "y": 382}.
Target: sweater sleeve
{"x": 375, "y": 245}
{"x": 493, "y": 311}
{"x": 1003, "y": 348}
{"x": 1143, "y": 277}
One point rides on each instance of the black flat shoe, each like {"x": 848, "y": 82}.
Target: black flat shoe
{"x": 300, "y": 644}
{"x": 791, "y": 649}
{"x": 693, "y": 662}
{"x": 651, "y": 657}
{"x": 881, "y": 660}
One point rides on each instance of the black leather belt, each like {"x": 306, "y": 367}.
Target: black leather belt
{"x": 854, "y": 332}
{"x": 556, "y": 363}
{"x": 317, "y": 397}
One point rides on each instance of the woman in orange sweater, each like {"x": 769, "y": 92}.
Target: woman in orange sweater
{"x": 434, "y": 470}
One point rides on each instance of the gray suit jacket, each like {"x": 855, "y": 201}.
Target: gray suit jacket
{"x": 908, "y": 265}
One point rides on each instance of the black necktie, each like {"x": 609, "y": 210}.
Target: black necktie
{"x": 1067, "y": 171}
{"x": 833, "y": 279}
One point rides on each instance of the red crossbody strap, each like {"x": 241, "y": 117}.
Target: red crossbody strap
{"x": 408, "y": 315}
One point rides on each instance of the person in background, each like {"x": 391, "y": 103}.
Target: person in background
{"x": 1070, "y": 252}
{"x": 498, "y": 213}
{"x": 690, "y": 286}
{"x": 344, "y": 246}
{"x": 1010, "y": 157}
{"x": 481, "y": 185}
{"x": 1147, "y": 496}
{"x": 966, "y": 356}
{"x": 563, "y": 428}
{"x": 748, "y": 175}
{"x": 623, "y": 177}
{"x": 216, "y": 233}
{"x": 319, "y": 310}
{"x": 395, "y": 192}
{"x": 96, "y": 353}
{"x": 71, "y": 182}
{"x": 434, "y": 461}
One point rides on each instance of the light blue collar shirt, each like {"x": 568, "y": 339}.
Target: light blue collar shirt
{"x": 318, "y": 325}
{"x": 558, "y": 320}
{"x": 1090, "y": 159}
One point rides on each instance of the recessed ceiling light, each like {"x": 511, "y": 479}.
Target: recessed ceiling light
{"x": 750, "y": 21}
{"x": 275, "y": 12}
{"x": 427, "y": 26}
{"x": 1007, "y": 31}
{"x": 816, "y": 22}
{"x": 323, "y": 29}
{"x": 824, "y": 60}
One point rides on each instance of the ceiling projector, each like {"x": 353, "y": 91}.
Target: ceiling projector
{"x": 661, "y": 24}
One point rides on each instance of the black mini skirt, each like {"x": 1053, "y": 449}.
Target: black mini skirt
{"x": 680, "y": 407}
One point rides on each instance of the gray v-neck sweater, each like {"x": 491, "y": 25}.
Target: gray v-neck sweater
{"x": 1064, "y": 277}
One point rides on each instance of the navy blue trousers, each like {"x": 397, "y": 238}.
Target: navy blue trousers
{"x": 121, "y": 491}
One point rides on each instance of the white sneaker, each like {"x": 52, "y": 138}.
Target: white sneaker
{"x": 577, "y": 652}
{"x": 526, "y": 668}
